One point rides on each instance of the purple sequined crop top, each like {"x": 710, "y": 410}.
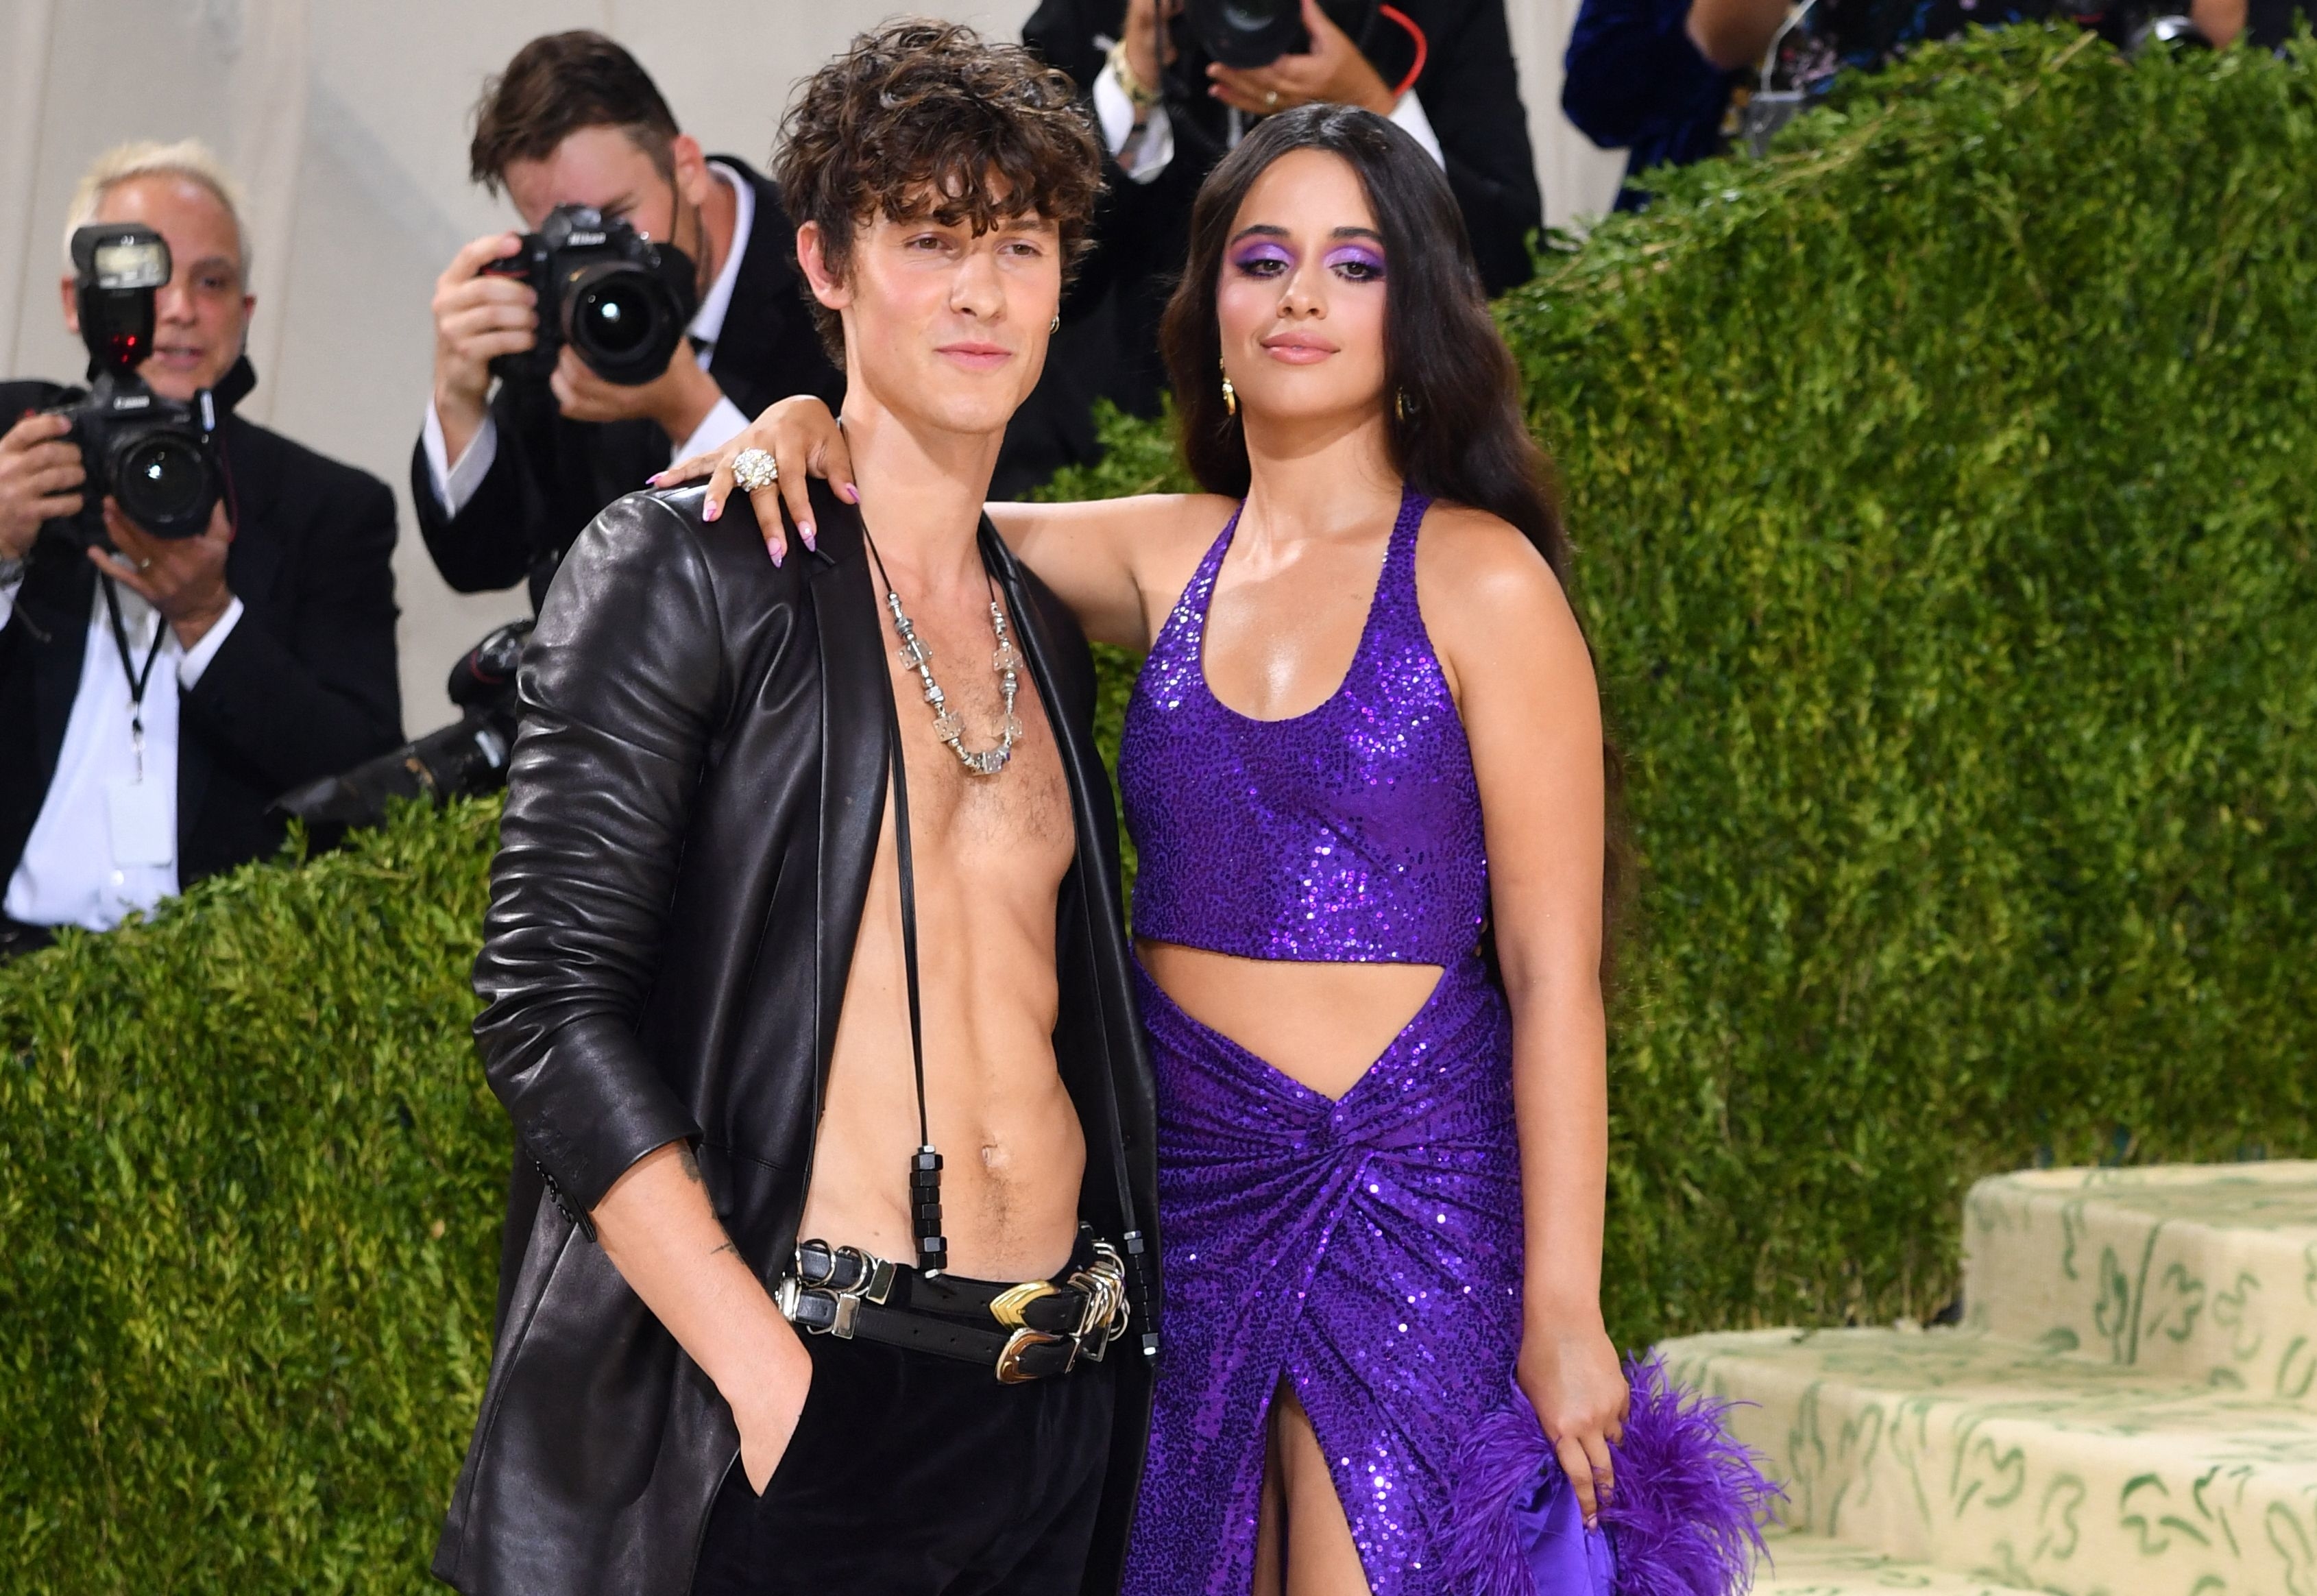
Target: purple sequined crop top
{"x": 1352, "y": 833}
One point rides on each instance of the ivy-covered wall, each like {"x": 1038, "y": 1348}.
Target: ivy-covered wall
{"x": 1943, "y": 490}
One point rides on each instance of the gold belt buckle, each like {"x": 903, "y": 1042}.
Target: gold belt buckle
{"x": 1010, "y": 1362}
{"x": 1008, "y": 1306}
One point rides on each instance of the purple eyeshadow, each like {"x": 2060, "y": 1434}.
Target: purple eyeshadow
{"x": 1357, "y": 254}
{"x": 1262, "y": 250}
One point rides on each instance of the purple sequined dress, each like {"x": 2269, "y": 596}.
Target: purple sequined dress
{"x": 1368, "y": 1249}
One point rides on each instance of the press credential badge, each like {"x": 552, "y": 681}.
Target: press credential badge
{"x": 139, "y": 812}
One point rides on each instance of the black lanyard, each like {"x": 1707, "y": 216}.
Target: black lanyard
{"x": 136, "y": 679}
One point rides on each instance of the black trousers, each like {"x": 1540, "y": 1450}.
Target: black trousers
{"x": 911, "y": 1475}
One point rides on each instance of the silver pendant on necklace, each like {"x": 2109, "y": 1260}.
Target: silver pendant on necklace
{"x": 946, "y": 725}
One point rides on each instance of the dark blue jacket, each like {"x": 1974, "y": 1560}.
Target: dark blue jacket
{"x": 1635, "y": 81}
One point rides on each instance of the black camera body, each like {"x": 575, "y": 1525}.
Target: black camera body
{"x": 463, "y": 759}
{"x": 1245, "y": 34}
{"x": 619, "y": 300}
{"x": 157, "y": 456}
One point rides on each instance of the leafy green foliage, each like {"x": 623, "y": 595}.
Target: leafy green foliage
{"x": 1946, "y": 489}
{"x": 1943, "y": 490}
{"x": 250, "y": 1215}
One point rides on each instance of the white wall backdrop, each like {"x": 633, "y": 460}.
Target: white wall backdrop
{"x": 346, "y": 122}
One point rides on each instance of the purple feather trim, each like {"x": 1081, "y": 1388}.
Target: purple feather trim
{"x": 1684, "y": 1521}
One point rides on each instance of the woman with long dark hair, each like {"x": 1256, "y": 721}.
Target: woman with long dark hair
{"x": 1364, "y": 766}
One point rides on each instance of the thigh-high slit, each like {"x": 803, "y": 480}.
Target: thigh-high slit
{"x": 1367, "y": 1248}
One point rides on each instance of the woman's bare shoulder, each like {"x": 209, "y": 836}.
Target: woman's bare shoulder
{"x": 1484, "y": 567}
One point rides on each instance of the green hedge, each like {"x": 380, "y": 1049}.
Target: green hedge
{"x": 249, "y": 1228}
{"x": 1943, "y": 490}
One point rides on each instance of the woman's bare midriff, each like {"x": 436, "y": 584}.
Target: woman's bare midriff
{"x": 1322, "y": 1025}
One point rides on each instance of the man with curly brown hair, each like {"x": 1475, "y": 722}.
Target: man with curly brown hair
{"x": 844, "y": 1278}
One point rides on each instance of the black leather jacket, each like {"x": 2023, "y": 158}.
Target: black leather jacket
{"x": 692, "y": 812}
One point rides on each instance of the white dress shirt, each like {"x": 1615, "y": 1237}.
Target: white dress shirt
{"x": 1155, "y": 149}
{"x": 455, "y": 483}
{"x": 69, "y": 875}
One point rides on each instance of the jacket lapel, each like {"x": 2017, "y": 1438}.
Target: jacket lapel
{"x": 853, "y": 750}
{"x": 53, "y": 607}
{"x": 764, "y": 291}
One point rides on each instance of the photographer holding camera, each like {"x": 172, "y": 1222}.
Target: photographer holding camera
{"x": 1174, "y": 83}
{"x": 195, "y": 613}
{"x": 654, "y": 306}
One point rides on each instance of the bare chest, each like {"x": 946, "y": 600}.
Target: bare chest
{"x": 1007, "y": 829}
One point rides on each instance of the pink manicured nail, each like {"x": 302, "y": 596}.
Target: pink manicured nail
{"x": 852, "y": 494}
{"x": 653, "y": 480}
{"x": 776, "y": 551}
{"x": 804, "y": 531}
{"x": 1592, "y": 1522}
{"x": 710, "y": 510}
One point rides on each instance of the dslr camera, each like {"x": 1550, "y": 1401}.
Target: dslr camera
{"x": 461, "y": 761}
{"x": 1257, "y": 32}
{"x": 155, "y": 455}
{"x": 618, "y": 298}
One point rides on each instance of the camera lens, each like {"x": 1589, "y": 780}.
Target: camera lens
{"x": 163, "y": 483}
{"x": 1257, "y": 32}
{"x": 623, "y": 320}
{"x": 1251, "y": 16}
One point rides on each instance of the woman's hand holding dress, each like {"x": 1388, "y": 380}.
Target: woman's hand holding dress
{"x": 1569, "y": 1372}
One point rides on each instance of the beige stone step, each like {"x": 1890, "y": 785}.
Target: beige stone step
{"x": 1812, "y": 1566}
{"x": 1995, "y": 1461}
{"x": 2205, "y": 1272}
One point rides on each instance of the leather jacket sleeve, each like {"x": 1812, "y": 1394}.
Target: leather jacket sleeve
{"x": 621, "y": 689}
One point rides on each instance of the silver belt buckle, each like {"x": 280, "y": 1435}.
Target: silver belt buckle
{"x": 874, "y": 1284}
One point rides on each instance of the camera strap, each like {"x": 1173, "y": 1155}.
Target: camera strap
{"x": 925, "y": 1164}
{"x": 138, "y": 679}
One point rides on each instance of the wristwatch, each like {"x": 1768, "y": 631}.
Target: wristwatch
{"x": 1144, "y": 100}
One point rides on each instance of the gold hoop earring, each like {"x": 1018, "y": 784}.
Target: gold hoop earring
{"x": 1400, "y": 403}
{"x": 1231, "y": 394}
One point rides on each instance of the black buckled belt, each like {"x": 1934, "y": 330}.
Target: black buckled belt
{"x": 1034, "y": 1330}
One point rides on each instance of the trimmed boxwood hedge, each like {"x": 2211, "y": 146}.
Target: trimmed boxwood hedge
{"x": 1943, "y": 490}
{"x": 249, "y": 1228}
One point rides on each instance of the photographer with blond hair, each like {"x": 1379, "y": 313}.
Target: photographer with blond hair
{"x": 157, "y": 692}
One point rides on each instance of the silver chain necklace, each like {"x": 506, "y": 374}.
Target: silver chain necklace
{"x": 915, "y": 654}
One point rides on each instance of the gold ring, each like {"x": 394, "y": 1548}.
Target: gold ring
{"x": 145, "y": 565}
{"x": 1271, "y": 99}
{"x": 755, "y": 470}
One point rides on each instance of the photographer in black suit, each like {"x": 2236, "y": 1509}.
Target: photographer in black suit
{"x": 504, "y": 482}
{"x": 264, "y": 642}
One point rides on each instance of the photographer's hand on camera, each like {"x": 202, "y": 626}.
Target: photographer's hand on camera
{"x": 678, "y": 399}
{"x": 1148, "y": 49}
{"x": 1334, "y": 71}
{"x": 182, "y": 577}
{"x": 40, "y": 475}
{"x": 478, "y": 317}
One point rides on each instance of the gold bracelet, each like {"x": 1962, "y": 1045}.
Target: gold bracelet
{"x": 1142, "y": 99}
